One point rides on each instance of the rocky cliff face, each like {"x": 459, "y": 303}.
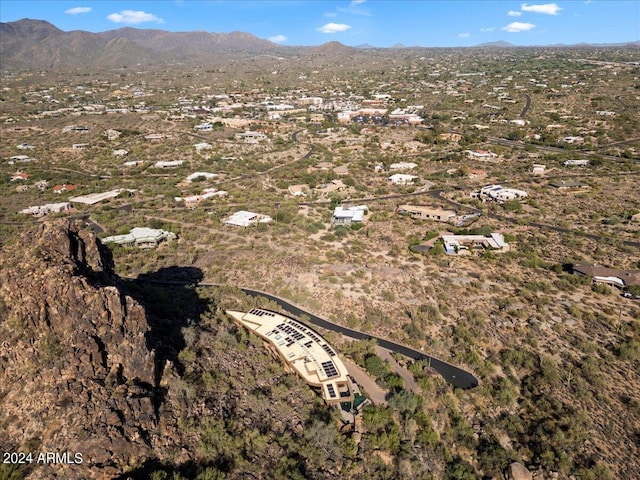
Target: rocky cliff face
{"x": 76, "y": 375}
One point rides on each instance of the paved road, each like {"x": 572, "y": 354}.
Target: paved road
{"x": 455, "y": 376}
{"x": 526, "y": 106}
{"x": 294, "y": 137}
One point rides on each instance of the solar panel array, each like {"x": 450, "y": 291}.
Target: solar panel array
{"x": 259, "y": 312}
{"x": 332, "y": 392}
{"x": 329, "y": 369}
{"x": 328, "y": 349}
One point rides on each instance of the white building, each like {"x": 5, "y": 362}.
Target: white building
{"x": 204, "y": 127}
{"x": 202, "y": 146}
{"x": 576, "y": 163}
{"x": 251, "y": 137}
{"x": 192, "y": 201}
{"x": 481, "y": 154}
{"x": 463, "y": 244}
{"x": 499, "y": 194}
{"x": 245, "y": 219}
{"x": 120, "y": 153}
{"x": 402, "y": 179}
{"x": 342, "y": 216}
{"x": 170, "y": 164}
{"x": 93, "y": 198}
{"x": 205, "y": 175}
{"x": 538, "y": 169}
{"x": 141, "y": 237}
{"x": 403, "y": 166}
{"x": 47, "y": 209}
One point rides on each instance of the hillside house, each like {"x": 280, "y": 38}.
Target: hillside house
{"x": 192, "y": 201}
{"x": 349, "y": 215}
{"x": 465, "y": 244}
{"x": 63, "y": 188}
{"x": 403, "y": 166}
{"x": 47, "y": 209}
{"x": 244, "y": 218}
{"x": 19, "y": 176}
{"x": 142, "y": 237}
{"x": 576, "y": 163}
{"x": 611, "y": 276}
{"x": 168, "y": 164}
{"x": 251, "y": 137}
{"x": 481, "y": 154}
{"x": 402, "y": 179}
{"x": 423, "y": 212}
{"x": 500, "y": 194}
{"x": 538, "y": 169}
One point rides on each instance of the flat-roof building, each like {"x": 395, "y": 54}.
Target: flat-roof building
{"x": 244, "y": 219}
{"x": 142, "y": 237}
{"x": 423, "y": 212}
{"x": 303, "y": 350}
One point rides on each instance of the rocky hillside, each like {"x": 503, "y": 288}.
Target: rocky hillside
{"x": 123, "y": 388}
{"x": 76, "y": 375}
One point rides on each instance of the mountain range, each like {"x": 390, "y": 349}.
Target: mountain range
{"x": 38, "y": 44}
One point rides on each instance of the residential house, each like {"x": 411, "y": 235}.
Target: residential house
{"x": 481, "y": 154}
{"x": 538, "y": 169}
{"x": 464, "y": 244}
{"x": 204, "y": 127}
{"x": 576, "y": 163}
{"x": 423, "y": 212}
{"x": 168, "y": 164}
{"x": 348, "y": 215}
{"x": 500, "y": 194}
{"x": 196, "y": 175}
{"x": 192, "y": 201}
{"x": 244, "y": 218}
{"x": 403, "y": 166}
{"x": 569, "y": 185}
{"x": 19, "y": 159}
{"x": 19, "y": 176}
{"x": 93, "y": 198}
{"x": 142, "y": 237}
{"x": 202, "y": 146}
{"x": 24, "y": 146}
{"x": 63, "y": 188}
{"x": 402, "y": 179}
{"x": 120, "y": 152}
{"x": 298, "y": 190}
{"x": 610, "y": 276}
{"x": 251, "y": 137}
{"x": 47, "y": 209}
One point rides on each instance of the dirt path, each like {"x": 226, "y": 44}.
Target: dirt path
{"x": 373, "y": 390}
{"x": 407, "y": 376}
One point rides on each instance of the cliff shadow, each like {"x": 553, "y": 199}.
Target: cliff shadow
{"x": 171, "y": 302}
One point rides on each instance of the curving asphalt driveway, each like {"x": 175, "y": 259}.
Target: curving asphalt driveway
{"x": 453, "y": 375}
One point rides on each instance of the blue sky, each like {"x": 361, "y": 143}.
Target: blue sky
{"x": 380, "y": 23}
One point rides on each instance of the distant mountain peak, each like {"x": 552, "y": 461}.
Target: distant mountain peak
{"x": 499, "y": 43}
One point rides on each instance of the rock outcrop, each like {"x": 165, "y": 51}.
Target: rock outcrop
{"x": 517, "y": 471}
{"x": 76, "y": 374}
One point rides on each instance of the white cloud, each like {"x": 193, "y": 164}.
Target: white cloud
{"x": 77, "y": 10}
{"x": 514, "y": 13}
{"x": 464, "y": 35}
{"x": 133, "y": 17}
{"x": 547, "y": 8}
{"x": 278, "y": 39}
{"x": 515, "y": 27}
{"x": 357, "y": 2}
{"x": 488, "y": 29}
{"x": 331, "y": 14}
{"x": 334, "y": 27}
